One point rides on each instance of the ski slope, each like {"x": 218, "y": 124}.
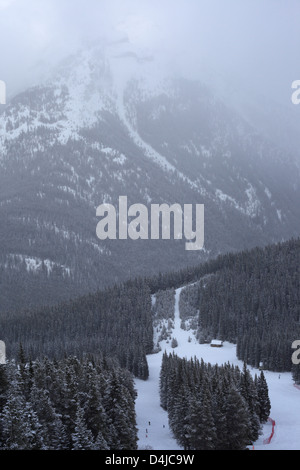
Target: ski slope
{"x": 284, "y": 396}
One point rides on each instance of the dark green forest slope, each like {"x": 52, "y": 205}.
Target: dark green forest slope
{"x": 251, "y": 298}
{"x": 254, "y": 301}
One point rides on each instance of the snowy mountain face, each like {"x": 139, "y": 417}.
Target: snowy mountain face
{"x": 109, "y": 122}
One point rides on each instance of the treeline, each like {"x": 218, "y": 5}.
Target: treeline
{"x": 116, "y": 322}
{"x": 296, "y": 373}
{"x": 69, "y": 404}
{"x": 250, "y": 298}
{"x": 182, "y": 277}
{"x": 164, "y": 304}
{"x": 212, "y": 407}
{"x": 163, "y": 310}
{"x": 254, "y": 301}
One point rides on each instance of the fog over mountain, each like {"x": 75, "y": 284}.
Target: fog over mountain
{"x": 247, "y": 50}
{"x": 252, "y": 43}
{"x": 186, "y": 102}
{"x": 149, "y": 204}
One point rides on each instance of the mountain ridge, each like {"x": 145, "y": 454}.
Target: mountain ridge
{"x": 99, "y": 129}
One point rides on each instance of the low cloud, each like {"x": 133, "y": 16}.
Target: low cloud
{"x": 249, "y": 41}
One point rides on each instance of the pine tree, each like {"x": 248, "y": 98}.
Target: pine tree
{"x": 82, "y": 437}
{"x": 3, "y": 385}
{"x": 100, "y": 442}
{"x": 20, "y": 426}
{"x": 263, "y": 398}
{"x": 249, "y": 393}
{"x": 96, "y": 417}
{"x": 121, "y": 414}
{"x": 237, "y": 421}
{"x": 219, "y": 414}
{"x": 53, "y": 430}
{"x": 202, "y": 433}
{"x": 58, "y": 438}
{"x": 163, "y": 381}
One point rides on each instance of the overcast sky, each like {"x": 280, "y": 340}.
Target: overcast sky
{"x": 256, "y": 42}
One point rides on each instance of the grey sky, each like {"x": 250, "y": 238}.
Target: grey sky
{"x": 253, "y": 42}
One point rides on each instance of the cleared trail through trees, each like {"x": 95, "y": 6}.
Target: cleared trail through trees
{"x": 284, "y": 396}
{"x": 148, "y": 409}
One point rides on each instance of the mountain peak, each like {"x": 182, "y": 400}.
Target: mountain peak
{"x": 110, "y": 121}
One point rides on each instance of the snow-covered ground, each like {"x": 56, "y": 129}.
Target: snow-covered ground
{"x": 284, "y": 396}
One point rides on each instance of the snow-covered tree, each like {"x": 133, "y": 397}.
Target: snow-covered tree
{"x": 263, "y": 398}
{"x": 82, "y": 437}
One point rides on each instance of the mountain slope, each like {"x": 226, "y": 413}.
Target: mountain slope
{"x": 283, "y": 395}
{"x": 249, "y": 298}
{"x": 108, "y": 123}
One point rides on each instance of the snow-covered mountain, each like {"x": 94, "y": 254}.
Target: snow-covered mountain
{"x": 110, "y": 121}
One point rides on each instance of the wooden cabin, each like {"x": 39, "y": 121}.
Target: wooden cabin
{"x": 216, "y": 343}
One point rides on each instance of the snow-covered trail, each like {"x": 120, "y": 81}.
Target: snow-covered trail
{"x": 159, "y": 436}
{"x": 285, "y": 402}
{"x": 285, "y": 398}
